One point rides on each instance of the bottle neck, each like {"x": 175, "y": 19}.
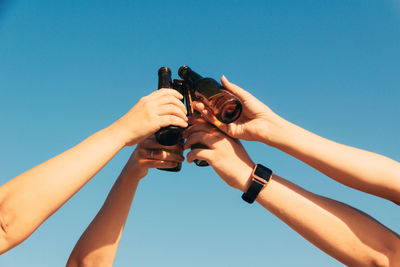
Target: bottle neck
{"x": 164, "y": 80}
{"x": 191, "y": 76}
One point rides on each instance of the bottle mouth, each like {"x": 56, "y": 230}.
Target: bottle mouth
{"x": 230, "y": 111}
{"x": 164, "y": 70}
{"x": 182, "y": 71}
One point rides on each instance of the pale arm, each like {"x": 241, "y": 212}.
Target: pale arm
{"x": 341, "y": 231}
{"x": 366, "y": 171}
{"x": 30, "y": 198}
{"x": 360, "y": 169}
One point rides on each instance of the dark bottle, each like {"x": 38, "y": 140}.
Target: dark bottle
{"x": 225, "y": 106}
{"x": 194, "y": 114}
{"x": 170, "y": 135}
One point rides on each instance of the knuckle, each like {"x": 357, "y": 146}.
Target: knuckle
{"x": 171, "y": 119}
{"x": 142, "y": 152}
{"x": 165, "y": 91}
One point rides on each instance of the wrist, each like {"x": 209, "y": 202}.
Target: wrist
{"x": 134, "y": 172}
{"x": 112, "y": 136}
{"x": 133, "y": 175}
{"x": 120, "y": 134}
{"x": 275, "y": 131}
{"x": 245, "y": 180}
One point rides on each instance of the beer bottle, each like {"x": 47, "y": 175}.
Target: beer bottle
{"x": 195, "y": 115}
{"x": 170, "y": 135}
{"x": 225, "y": 106}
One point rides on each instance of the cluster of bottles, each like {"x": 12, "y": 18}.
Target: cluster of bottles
{"x": 223, "y": 105}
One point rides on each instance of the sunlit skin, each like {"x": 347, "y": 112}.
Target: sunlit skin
{"x": 30, "y": 198}
{"x": 345, "y": 233}
{"x": 98, "y": 244}
{"x": 363, "y": 170}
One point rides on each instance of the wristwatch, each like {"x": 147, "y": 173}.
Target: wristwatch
{"x": 260, "y": 177}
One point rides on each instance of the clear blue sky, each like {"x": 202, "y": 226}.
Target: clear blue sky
{"x": 70, "y": 68}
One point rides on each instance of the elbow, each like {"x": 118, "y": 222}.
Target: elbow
{"x": 75, "y": 261}
{"x": 389, "y": 258}
{"x": 380, "y": 261}
{"x": 5, "y": 243}
{"x": 394, "y": 256}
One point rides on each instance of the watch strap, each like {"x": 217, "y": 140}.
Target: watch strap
{"x": 252, "y": 192}
{"x": 260, "y": 177}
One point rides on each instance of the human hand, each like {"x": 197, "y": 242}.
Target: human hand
{"x": 226, "y": 155}
{"x": 256, "y": 123}
{"x": 154, "y": 111}
{"x": 150, "y": 154}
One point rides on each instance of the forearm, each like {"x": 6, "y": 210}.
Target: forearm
{"x": 359, "y": 169}
{"x": 343, "y": 232}
{"x": 99, "y": 243}
{"x": 30, "y": 198}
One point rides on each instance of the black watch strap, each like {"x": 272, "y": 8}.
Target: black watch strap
{"x": 253, "y": 191}
{"x": 260, "y": 177}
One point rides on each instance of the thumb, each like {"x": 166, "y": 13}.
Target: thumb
{"x": 208, "y": 115}
{"x": 234, "y": 89}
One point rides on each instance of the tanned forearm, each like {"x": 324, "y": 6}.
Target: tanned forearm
{"x": 99, "y": 243}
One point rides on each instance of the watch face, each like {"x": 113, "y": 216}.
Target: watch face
{"x": 262, "y": 172}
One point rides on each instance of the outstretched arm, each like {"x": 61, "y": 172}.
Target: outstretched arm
{"x": 99, "y": 243}
{"x": 29, "y": 199}
{"x": 345, "y": 233}
{"x": 366, "y": 171}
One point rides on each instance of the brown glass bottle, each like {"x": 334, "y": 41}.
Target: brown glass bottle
{"x": 225, "y": 106}
{"x": 188, "y": 93}
{"x": 170, "y": 135}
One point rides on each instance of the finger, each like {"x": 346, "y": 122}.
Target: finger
{"x": 234, "y": 89}
{"x": 200, "y": 154}
{"x": 171, "y": 109}
{"x": 207, "y": 139}
{"x": 202, "y": 126}
{"x": 162, "y": 164}
{"x": 199, "y": 106}
{"x": 169, "y": 91}
{"x": 209, "y": 116}
{"x": 195, "y": 119}
{"x": 160, "y": 154}
{"x": 168, "y": 99}
{"x": 149, "y": 142}
{"x": 172, "y": 120}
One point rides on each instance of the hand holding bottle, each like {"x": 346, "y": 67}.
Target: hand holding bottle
{"x": 256, "y": 123}
{"x": 154, "y": 111}
{"x": 226, "y": 155}
{"x": 150, "y": 154}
